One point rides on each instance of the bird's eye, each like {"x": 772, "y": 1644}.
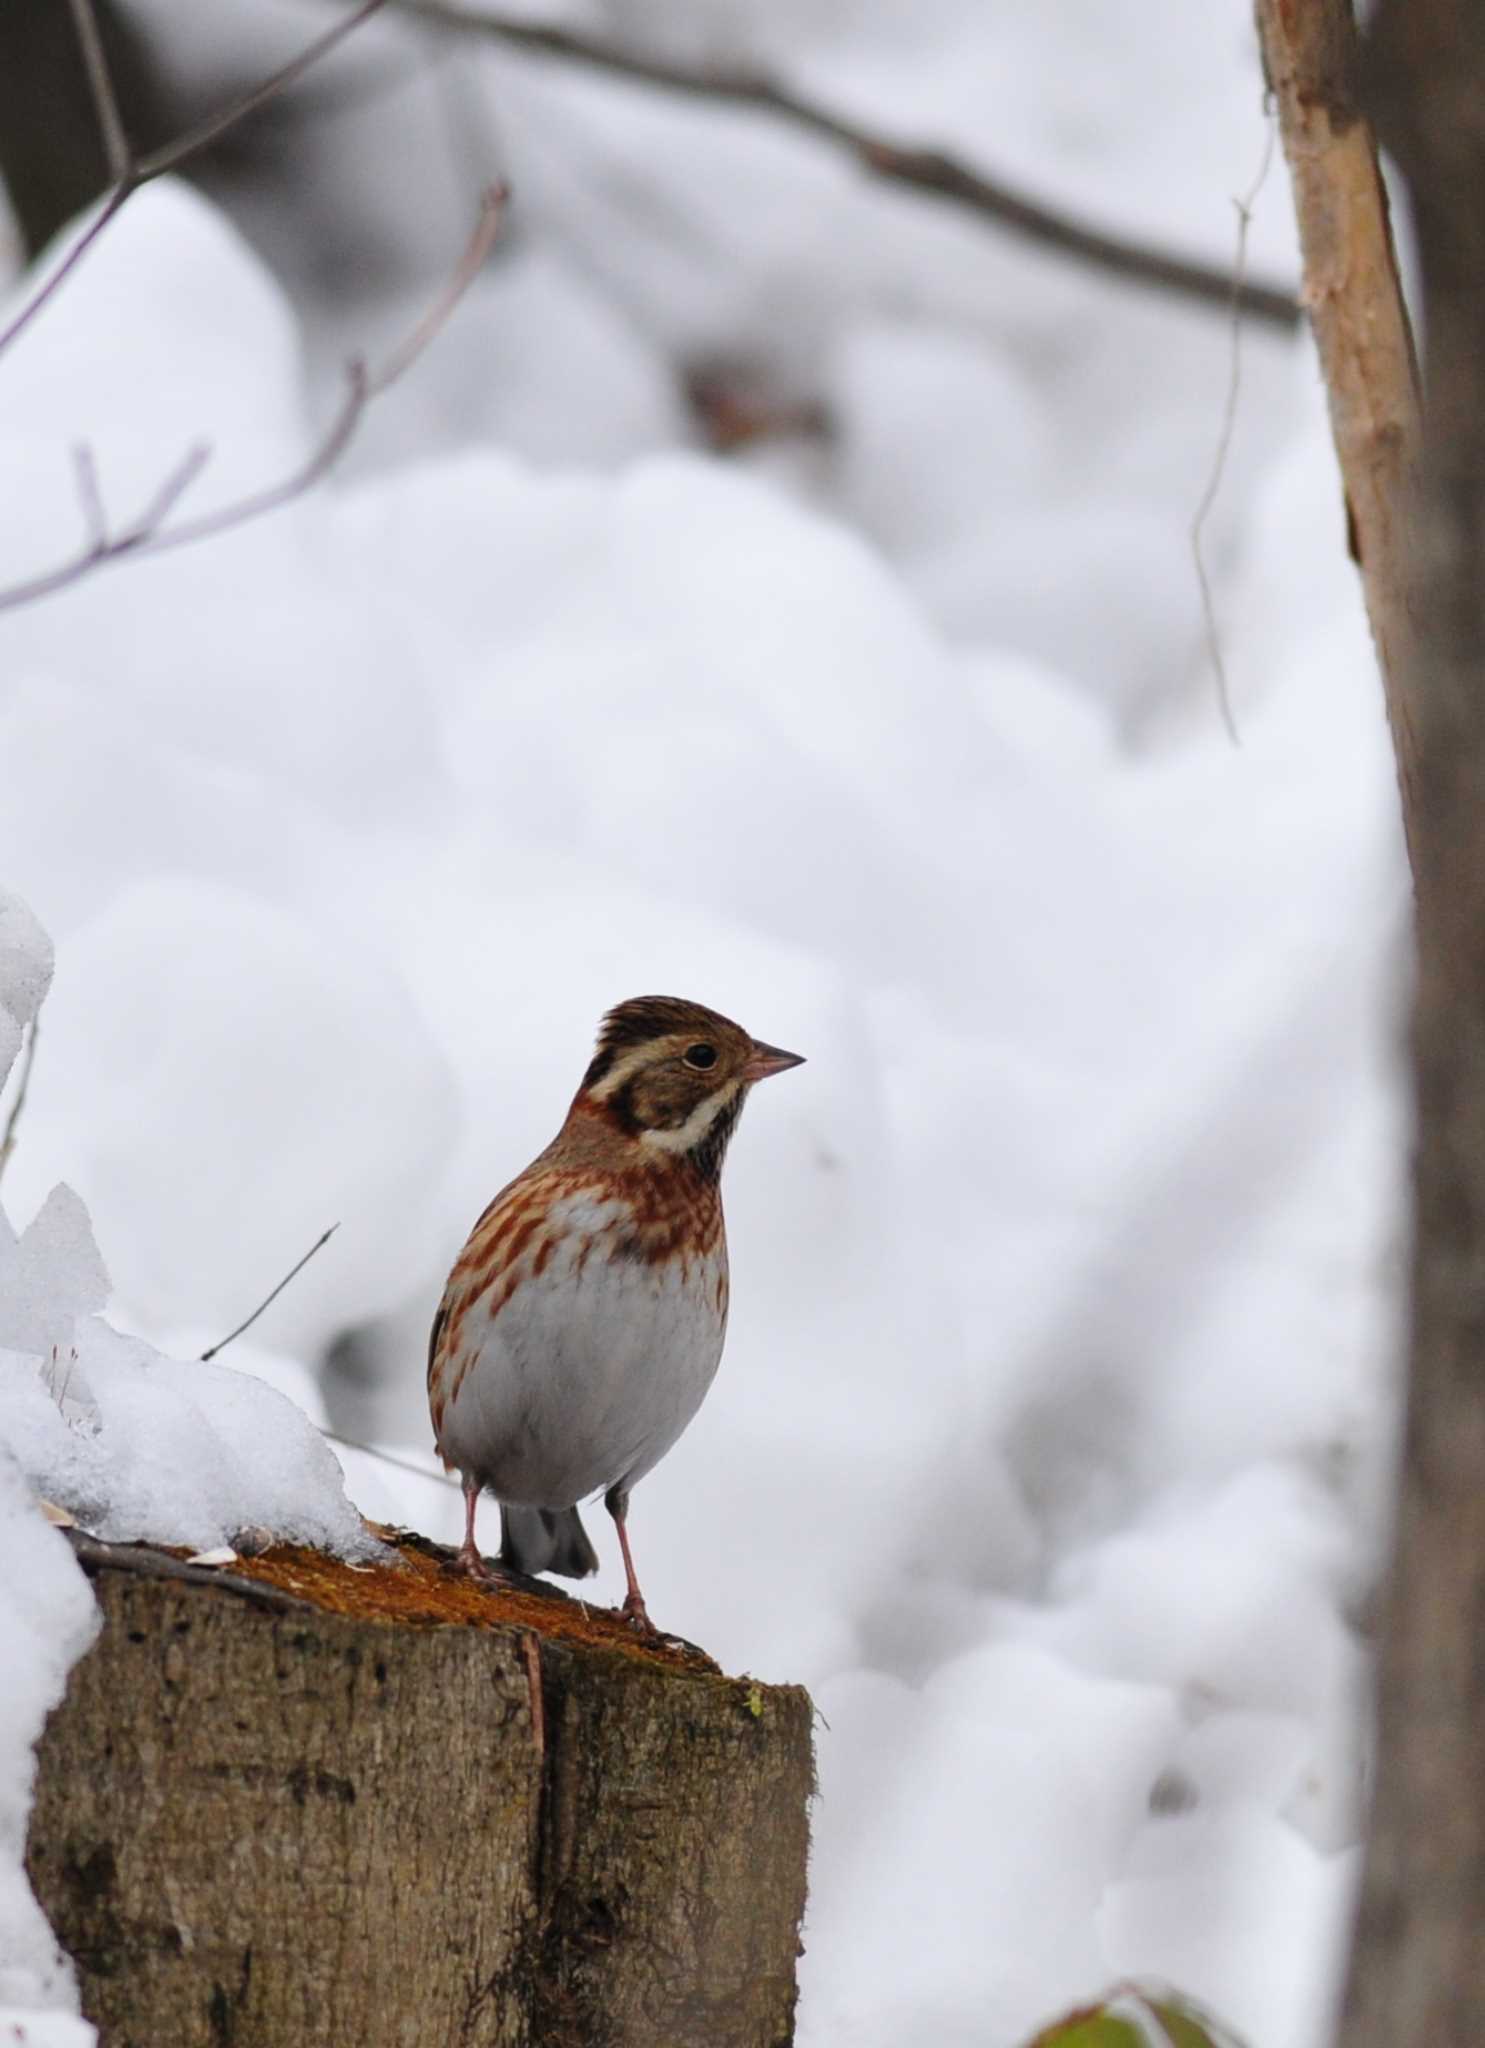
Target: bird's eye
{"x": 702, "y": 1056}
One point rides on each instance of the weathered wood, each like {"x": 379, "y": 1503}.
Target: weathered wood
{"x": 1354, "y": 300}
{"x": 271, "y": 1829}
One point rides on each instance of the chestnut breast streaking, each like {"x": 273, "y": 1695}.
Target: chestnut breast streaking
{"x": 583, "y": 1321}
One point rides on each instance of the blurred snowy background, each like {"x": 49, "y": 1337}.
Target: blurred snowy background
{"x": 1050, "y": 1446}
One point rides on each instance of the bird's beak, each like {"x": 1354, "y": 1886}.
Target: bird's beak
{"x": 769, "y": 1059}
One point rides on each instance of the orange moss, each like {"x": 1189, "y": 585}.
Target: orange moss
{"x": 419, "y": 1586}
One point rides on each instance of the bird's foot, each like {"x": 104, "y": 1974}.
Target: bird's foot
{"x": 633, "y": 1611}
{"x": 474, "y": 1567}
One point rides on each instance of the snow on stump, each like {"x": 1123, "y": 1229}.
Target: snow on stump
{"x": 303, "y": 1803}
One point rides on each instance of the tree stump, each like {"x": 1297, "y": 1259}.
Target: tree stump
{"x": 304, "y": 1803}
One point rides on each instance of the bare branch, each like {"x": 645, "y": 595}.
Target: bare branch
{"x": 133, "y": 172}
{"x": 268, "y": 1300}
{"x": 149, "y": 535}
{"x": 318, "y": 464}
{"x": 926, "y": 170}
{"x": 105, "y": 99}
{"x": 51, "y": 284}
{"x": 100, "y": 546}
{"x": 200, "y": 139}
{"x": 12, "y": 1122}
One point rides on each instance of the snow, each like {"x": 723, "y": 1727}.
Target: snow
{"x": 25, "y": 974}
{"x": 143, "y": 1448}
{"x": 47, "y": 1620}
{"x": 133, "y": 1446}
{"x": 1052, "y": 1440}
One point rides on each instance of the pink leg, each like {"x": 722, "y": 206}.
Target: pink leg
{"x": 469, "y": 1554}
{"x": 633, "y": 1610}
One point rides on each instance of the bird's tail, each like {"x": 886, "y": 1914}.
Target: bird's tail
{"x": 536, "y": 1540}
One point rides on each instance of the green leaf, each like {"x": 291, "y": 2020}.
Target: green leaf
{"x": 1136, "y": 2017}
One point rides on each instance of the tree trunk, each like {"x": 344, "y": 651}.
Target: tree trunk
{"x": 262, "y": 1824}
{"x": 1355, "y": 304}
{"x": 1418, "y": 1971}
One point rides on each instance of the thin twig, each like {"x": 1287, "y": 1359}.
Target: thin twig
{"x": 144, "y": 1561}
{"x": 166, "y": 498}
{"x": 131, "y": 172}
{"x": 269, "y": 1299}
{"x": 211, "y": 130}
{"x": 148, "y": 535}
{"x": 100, "y": 84}
{"x": 927, "y": 170}
{"x": 318, "y": 463}
{"x": 12, "y": 1122}
{"x": 348, "y": 1443}
{"x": 15, "y": 327}
{"x": 90, "y": 496}
{"x": 1244, "y": 207}
{"x": 141, "y": 535}
{"x": 400, "y": 361}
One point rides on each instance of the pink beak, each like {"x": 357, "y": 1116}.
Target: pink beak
{"x": 769, "y": 1059}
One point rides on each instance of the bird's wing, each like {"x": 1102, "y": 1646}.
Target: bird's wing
{"x": 500, "y": 1237}
{"x": 433, "y": 1338}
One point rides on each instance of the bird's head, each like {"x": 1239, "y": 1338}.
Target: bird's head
{"x": 673, "y": 1077}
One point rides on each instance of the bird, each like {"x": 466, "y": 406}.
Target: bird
{"x": 583, "y": 1322}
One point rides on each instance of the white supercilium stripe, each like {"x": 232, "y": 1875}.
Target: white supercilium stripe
{"x": 624, "y": 1068}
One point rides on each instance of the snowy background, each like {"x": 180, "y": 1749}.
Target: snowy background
{"x": 1050, "y": 1446}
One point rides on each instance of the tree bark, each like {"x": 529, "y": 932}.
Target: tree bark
{"x": 1355, "y": 304}
{"x": 1418, "y": 1970}
{"x": 260, "y": 1824}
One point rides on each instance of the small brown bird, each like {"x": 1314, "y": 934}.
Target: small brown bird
{"x": 583, "y": 1321}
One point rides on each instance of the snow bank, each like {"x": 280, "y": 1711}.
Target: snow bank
{"x": 47, "y": 1617}
{"x": 47, "y": 1620}
{"x": 135, "y": 1447}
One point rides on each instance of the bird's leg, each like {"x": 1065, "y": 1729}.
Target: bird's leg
{"x": 469, "y": 1554}
{"x": 633, "y": 1610}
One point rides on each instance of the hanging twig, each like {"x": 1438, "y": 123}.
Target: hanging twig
{"x": 1224, "y": 438}
{"x": 130, "y": 172}
{"x": 12, "y": 1122}
{"x": 149, "y": 535}
{"x": 269, "y": 1299}
{"x": 931, "y": 171}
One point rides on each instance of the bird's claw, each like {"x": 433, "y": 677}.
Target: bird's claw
{"x": 633, "y": 1611}
{"x": 474, "y": 1567}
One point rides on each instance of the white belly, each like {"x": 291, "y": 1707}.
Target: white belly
{"x": 586, "y": 1375}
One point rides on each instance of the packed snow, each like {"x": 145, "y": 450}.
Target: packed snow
{"x": 1051, "y": 1444}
